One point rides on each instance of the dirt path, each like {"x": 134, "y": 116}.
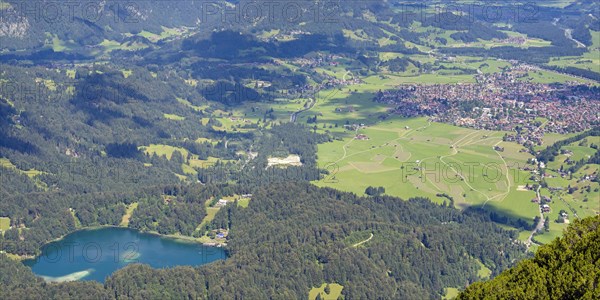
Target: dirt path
{"x": 508, "y": 183}
{"x": 403, "y": 136}
{"x": 360, "y": 243}
{"x": 465, "y": 180}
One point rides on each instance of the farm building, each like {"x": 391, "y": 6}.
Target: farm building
{"x": 546, "y": 208}
{"x": 221, "y": 203}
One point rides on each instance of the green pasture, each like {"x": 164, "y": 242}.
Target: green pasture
{"x": 412, "y": 157}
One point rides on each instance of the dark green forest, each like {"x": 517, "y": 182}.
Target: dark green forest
{"x": 294, "y": 236}
{"x": 567, "y": 268}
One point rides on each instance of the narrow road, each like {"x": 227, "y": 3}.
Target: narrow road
{"x": 294, "y": 115}
{"x": 540, "y": 223}
{"x": 360, "y": 243}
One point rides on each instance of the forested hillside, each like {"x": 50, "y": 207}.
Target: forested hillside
{"x": 201, "y": 121}
{"x": 294, "y": 236}
{"x": 567, "y": 268}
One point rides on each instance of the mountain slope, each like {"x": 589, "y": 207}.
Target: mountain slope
{"x": 568, "y": 268}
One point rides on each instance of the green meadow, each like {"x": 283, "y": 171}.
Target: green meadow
{"x": 546, "y": 76}
{"x": 189, "y": 165}
{"x": 451, "y": 293}
{"x": 4, "y": 223}
{"x": 335, "y": 291}
{"x": 161, "y": 150}
{"x": 173, "y": 117}
{"x": 128, "y": 213}
{"x": 414, "y": 157}
{"x": 5, "y": 163}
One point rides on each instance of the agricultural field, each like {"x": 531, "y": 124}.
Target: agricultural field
{"x": 413, "y": 157}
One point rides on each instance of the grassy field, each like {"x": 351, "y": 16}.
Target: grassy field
{"x": 188, "y": 104}
{"x": 545, "y": 76}
{"x": 164, "y": 34}
{"x": 173, "y": 117}
{"x": 75, "y": 218}
{"x": 4, "y": 5}
{"x": 110, "y": 45}
{"x": 71, "y": 73}
{"x": 451, "y": 293}
{"x": 488, "y": 44}
{"x": 161, "y": 150}
{"x": 127, "y": 73}
{"x": 4, "y": 223}
{"x": 130, "y": 208}
{"x": 210, "y": 214}
{"x": 5, "y": 163}
{"x": 58, "y": 45}
{"x": 484, "y": 272}
{"x": 210, "y": 161}
{"x": 244, "y": 202}
{"x": 48, "y": 83}
{"x": 412, "y": 157}
{"x": 335, "y": 291}
{"x": 189, "y": 166}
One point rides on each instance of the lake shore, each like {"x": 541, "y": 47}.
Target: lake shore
{"x": 95, "y": 253}
{"x": 182, "y": 238}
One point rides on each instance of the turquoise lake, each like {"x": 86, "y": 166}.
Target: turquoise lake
{"x": 97, "y": 253}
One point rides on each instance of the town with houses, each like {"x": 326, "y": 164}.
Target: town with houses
{"x": 502, "y": 101}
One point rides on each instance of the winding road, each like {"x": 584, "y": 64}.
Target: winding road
{"x": 294, "y": 115}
